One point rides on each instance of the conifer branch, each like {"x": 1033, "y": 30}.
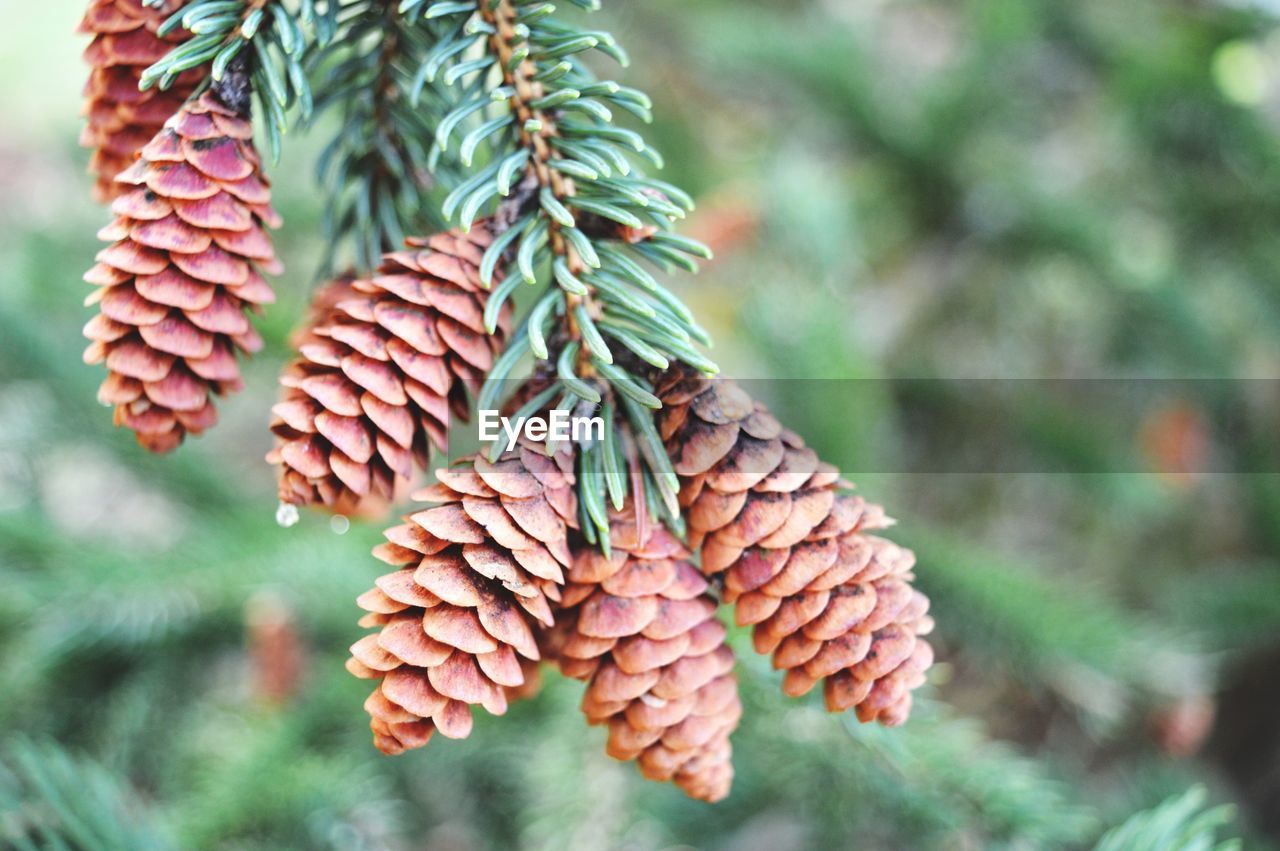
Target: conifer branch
{"x": 51, "y": 799}
{"x": 378, "y": 168}
{"x": 581, "y": 218}
{"x": 1178, "y": 824}
{"x": 958, "y": 772}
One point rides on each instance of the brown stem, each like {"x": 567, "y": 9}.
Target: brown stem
{"x": 502, "y": 16}
{"x": 235, "y": 89}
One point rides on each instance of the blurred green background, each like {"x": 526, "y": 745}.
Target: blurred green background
{"x": 964, "y": 189}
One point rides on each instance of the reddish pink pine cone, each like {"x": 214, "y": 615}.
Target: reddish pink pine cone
{"x": 831, "y": 602}
{"x": 476, "y": 575}
{"x": 181, "y": 274}
{"x": 639, "y": 628}
{"x": 120, "y": 119}
{"x": 383, "y": 364}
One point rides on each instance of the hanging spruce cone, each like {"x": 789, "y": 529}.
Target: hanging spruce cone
{"x": 475, "y": 574}
{"x": 828, "y": 600}
{"x": 180, "y": 274}
{"x": 120, "y": 118}
{"x": 380, "y": 370}
{"x": 640, "y": 628}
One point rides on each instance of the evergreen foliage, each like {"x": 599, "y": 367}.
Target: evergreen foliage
{"x": 1179, "y": 824}
{"x": 52, "y": 800}
{"x": 376, "y": 171}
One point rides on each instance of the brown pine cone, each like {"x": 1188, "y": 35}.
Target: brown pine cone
{"x": 176, "y": 282}
{"x": 120, "y": 118}
{"x": 381, "y": 368}
{"x": 828, "y": 600}
{"x": 640, "y": 628}
{"x": 475, "y": 575}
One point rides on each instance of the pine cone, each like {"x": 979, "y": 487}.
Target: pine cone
{"x": 120, "y": 118}
{"x": 457, "y": 617}
{"x": 828, "y": 600}
{"x": 180, "y": 273}
{"x": 640, "y": 627}
{"x": 380, "y": 370}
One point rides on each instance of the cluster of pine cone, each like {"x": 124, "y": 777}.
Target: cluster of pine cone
{"x": 493, "y": 577}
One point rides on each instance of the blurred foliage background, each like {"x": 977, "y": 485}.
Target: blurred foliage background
{"x": 895, "y": 189}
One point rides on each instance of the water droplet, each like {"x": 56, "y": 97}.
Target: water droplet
{"x": 286, "y": 514}
{"x": 339, "y": 524}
